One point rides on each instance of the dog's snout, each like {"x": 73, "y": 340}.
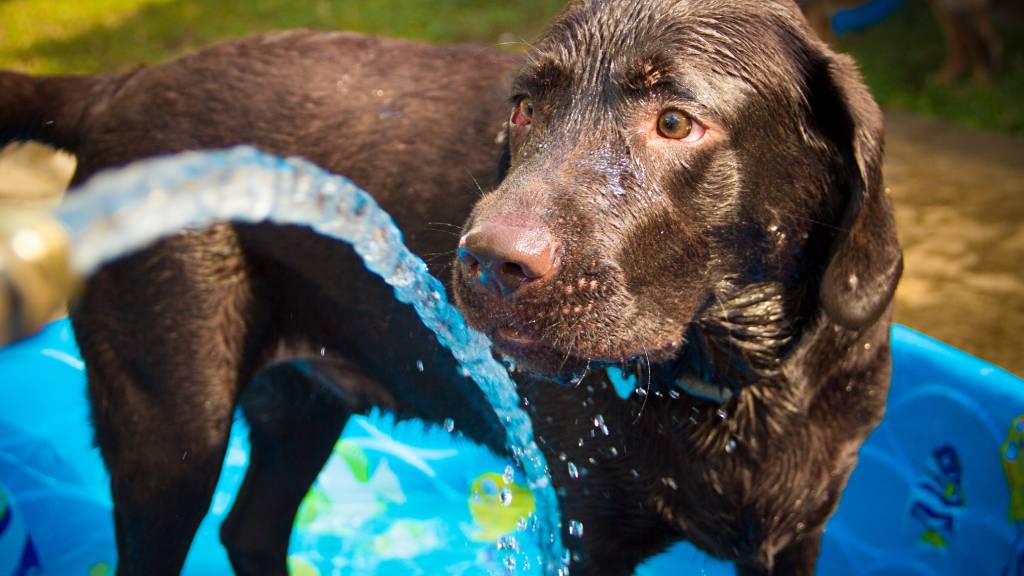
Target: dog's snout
{"x": 505, "y": 257}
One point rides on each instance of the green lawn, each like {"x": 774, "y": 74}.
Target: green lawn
{"x": 55, "y": 36}
{"x": 51, "y": 36}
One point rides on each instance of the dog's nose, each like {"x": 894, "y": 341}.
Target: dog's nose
{"x": 504, "y": 257}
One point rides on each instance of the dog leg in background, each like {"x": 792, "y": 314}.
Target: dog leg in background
{"x": 819, "y": 16}
{"x": 987, "y": 50}
{"x": 972, "y": 45}
{"x": 294, "y": 423}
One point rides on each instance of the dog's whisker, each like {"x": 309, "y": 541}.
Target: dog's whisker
{"x": 456, "y": 234}
{"x": 430, "y": 258}
{"x": 647, "y": 395}
{"x": 818, "y": 222}
{"x": 476, "y": 182}
{"x": 439, "y": 223}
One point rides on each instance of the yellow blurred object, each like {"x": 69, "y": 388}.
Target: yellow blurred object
{"x": 1013, "y": 466}
{"x": 33, "y": 175}
{"x": 35, "y": 274}
{"x": 299, "y": 566}
{"x": 497, "y": 506}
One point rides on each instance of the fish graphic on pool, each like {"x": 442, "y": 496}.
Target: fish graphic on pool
{"x": 940, "y": 497}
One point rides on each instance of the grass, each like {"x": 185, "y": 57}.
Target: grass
{"x": 63, "y": 36}
{"x": 83, "y": 36}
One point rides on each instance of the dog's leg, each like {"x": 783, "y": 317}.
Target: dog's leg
{"x": 956, "y": 44}
{"x": 168, "y": 335}
{"x": 295, "y": 423}
{"x": 987, "y": 51}
{"x": 164, "y": 448}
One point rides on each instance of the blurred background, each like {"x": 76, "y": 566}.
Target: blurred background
{"x": 950, "y": 74}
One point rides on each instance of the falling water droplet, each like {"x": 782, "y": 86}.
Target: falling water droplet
{"x": 510, "y": 474}
{"x": 598, "y": 421}
{"x": 419, "y": 365}
{"x": 449, "y": 424}
{"x": 573, "y": 472}
{"x": 730, "y": 446}
{"x": 722, "y": 414}
{"x": 562, "y": 456}
{"x": 576, "y": 528}
{"x": 506, "y": 496}
{"x": 670, "y": 482}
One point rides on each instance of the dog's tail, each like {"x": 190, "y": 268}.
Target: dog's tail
{"x": 48, "y": 109}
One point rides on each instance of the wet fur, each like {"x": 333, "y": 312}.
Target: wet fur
{"x": 763, "y": 264}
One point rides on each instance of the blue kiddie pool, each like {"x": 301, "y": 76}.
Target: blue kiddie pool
{"x": 939, "y": 489}
{"x": 863, "y": 15}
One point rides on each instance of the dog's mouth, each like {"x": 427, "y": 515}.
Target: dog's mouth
{"x": 532, "y": 354}
{"x": 509, "y": 337}
{"x": 534, "y": 335}
{"x": 559, "y": 328}
{"x": 541, "y": 359}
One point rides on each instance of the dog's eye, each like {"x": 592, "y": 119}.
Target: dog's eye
{"x": 677, "y": 125}
{"x": 522, "y": 113}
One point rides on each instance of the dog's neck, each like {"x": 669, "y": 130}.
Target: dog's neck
{"x": 742, "y": 338}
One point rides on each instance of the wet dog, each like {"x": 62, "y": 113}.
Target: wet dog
{"x": 687, "y": 196}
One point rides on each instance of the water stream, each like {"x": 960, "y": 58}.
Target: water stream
{"x": 119, "y": 213}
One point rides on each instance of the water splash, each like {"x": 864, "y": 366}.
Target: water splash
{"x": 122, "y": 212}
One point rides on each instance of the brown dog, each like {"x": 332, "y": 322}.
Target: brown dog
{"x": 693, "y": 195}
{"x": 973, "y": 48}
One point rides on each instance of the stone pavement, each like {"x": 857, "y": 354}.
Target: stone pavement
{"x": 959, "y": 199}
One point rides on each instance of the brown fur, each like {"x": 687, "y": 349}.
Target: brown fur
{"x": 761, "y": 261}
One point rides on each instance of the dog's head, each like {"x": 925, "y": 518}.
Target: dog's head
{"x": 677, "y": 165}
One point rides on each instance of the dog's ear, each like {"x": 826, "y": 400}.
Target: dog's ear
{"x": 865, "y": 261}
